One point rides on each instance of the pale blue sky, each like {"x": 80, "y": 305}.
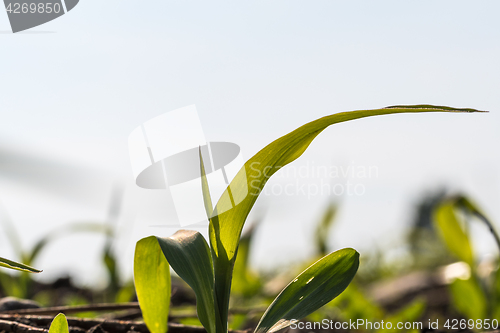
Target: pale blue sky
{"x": 257, "y": 70}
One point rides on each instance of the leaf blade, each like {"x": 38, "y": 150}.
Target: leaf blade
{"x": 189, "y": 255}
{"x": 152, "y": 284}
{"x": 17, "y": 266}
{"x": 313, "y": 288}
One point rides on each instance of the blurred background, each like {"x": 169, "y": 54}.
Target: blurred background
{"x": 72, "y": 90}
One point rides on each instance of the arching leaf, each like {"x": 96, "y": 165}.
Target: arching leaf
{"x": 313, "y": 288}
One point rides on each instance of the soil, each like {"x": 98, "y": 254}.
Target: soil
{"x": 21, "y": 316}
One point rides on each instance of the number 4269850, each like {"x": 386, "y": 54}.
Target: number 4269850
{"x": 24, "y": 8}
{"x": 455, "y": 324}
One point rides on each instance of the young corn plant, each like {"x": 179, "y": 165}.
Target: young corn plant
{"x": 208, "y": 269}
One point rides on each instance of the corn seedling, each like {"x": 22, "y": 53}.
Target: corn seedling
{"x": 208, "y": 269}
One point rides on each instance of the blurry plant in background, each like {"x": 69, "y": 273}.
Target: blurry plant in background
{"x": 21, "y": 286}
{"x": 426, "y": 249}
{"x": 474, "y": 289}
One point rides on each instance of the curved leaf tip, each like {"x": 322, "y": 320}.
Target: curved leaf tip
{"x": 434, "y": 108}
{"x": 17, "y": 266}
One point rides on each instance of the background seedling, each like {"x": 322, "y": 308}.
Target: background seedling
{"x": 472, "y": 296}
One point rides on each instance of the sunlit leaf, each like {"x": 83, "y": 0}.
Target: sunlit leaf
{"x": 313, "y": 288}
{"x": 452, "y": 233}
{"x": 188, "y": 254}
{"x": 17, "y": 266}
{"x": 469, "y": 299}
{"x": 59, "y": 324}
{"x": 152, "y": 284}
{"x": 225, "y": 229}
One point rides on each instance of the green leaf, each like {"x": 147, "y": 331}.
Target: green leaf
{"x": 225, "y": 229}
{"x": 59, "y": 324}
{"x": 469, "y": 299}
{"x": 17, "y": 266}
{"x": 152, "y": 284}
{"x": 452, "y": 233}
{"x": 313, "y": 288}
{"x": 189, "y": 255}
